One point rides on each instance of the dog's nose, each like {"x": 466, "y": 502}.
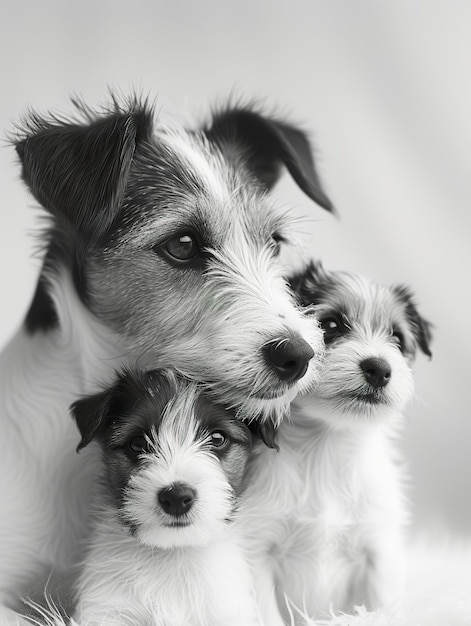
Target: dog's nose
{"x": 289, "y": 358}
{"x": 177, "y": 499}
{"x": 377, "y": 372}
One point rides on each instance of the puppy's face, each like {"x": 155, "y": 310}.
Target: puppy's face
{"x": 174, "y": 461}
{"x": 371, "y": 333}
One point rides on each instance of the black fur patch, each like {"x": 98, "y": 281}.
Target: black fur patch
{"x": 313, "y": 285}
{"x": 421, "y": 328}
{"x": 267, "y": 144}
{"x": 78, "y": 170}
{"x": 41, "y": 315}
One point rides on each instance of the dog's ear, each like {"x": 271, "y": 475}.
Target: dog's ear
{"x": 79, "y": 171}
{"x": 268, "y": 144}
{"x": 265, "y": 431}
{"x": 310, "y": 284}
{"x": 421, "y": 328}
{"x": 90, "y": 414}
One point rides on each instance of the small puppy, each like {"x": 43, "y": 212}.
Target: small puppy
{"x": 325, "y": 517}
{"x": 163, "y": 550}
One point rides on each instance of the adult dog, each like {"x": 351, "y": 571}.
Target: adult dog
{"x": 162, "y": 249}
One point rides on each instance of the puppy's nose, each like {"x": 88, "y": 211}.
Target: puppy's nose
{"x": 289, "y": 358}
{"x": 177, "y": 499}
{"x": 377, "y": 372}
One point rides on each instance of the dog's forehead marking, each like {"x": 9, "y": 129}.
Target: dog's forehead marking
{"x": 179, "y": 425}
{"x": 364, "y": 302}
{"x": 195, "y": 154}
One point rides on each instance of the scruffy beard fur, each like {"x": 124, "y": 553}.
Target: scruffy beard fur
{"x": 325, "y": 517}
{"x": 161, "y": 248}
{"x": 151, "y": 559}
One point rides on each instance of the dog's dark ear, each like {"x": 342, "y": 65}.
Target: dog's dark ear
{"x": 310, "y": 284}
{"x": 421, "y": 328}
{"x": 268, "y": 144}
{"x": 90, "y": 414}
{"x": 79, "y": 171}
{"x": 265, "y": 431}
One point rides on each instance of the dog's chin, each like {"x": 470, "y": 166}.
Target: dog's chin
{"x": 347, "y": 411}
{"x": 273, "y": 402}
{"x": 365, "y": 400}
{"x": 267, "y": 407}
{"x": 180, "y": 534}
{"x": 171, "y": 537}
{"x": 365, "y": 408}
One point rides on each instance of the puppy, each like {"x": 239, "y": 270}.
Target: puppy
{"x": 163, "y": 549}
{"x": 324, "y": 517}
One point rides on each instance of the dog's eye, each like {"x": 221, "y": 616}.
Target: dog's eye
{"x": 398, "y": 338}
{"x": 218, "y": 439}
{"x": 183, "y": 247}
{"x": 276, "y": 241}
{"x": 333, "y": 327}
{"x": 139, "y": 444}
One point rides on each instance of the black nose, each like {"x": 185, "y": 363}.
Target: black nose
{"x": 177, "y": 499}
{"x": 289, "y": 358}
{"x": 377, "y": 372}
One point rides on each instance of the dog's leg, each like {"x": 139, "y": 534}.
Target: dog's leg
{"x": 381, "y": 579}
{"x": 265, "y": 589}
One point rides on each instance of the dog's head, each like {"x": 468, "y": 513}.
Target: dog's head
{"x": 172, "y": 241}
{"x": 174, "y": 461}
{"x": 372, "y": 333}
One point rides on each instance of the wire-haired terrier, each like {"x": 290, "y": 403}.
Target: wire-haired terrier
{"x": 162, "y": 250}
{"x": 325, "y": 516}
{"x": 164, "y": 549}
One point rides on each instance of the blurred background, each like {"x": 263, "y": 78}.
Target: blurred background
{"x": 384, "y": 88}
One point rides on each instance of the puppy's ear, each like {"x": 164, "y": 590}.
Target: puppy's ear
{"x": 421, "y": 328}
{"x": 310, "y": 284}
{"x": 90, "y": 414}
{"x": 265, "y": 431}
{"x": 267, "y": 144}
{"x": 79, "y": 171}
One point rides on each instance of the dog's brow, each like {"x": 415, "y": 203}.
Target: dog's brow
{"x": 200, "y": 162}
{"x": 159, "y": 227}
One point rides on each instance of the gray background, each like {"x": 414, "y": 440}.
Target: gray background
{"x": 385, "y": 89}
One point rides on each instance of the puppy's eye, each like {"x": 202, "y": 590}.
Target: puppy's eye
{"x": 398, "y": 339}
{"x": 276, "y": 241}
{"x": 333, "y": 328}
{"x": 219, "y": 439}
{"x": 139, "y": 444}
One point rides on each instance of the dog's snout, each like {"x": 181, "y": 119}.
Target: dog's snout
{"x": 377, "y": 372}
{"x": 289, "y": 358}
{"x": 177, "y": 499}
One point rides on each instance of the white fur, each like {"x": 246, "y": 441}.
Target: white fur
{"x": 126, "y": 582}
{"x": 45, "y": 485}
{"x": 202, "y": 162}
{"x": 324, "y": 517}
